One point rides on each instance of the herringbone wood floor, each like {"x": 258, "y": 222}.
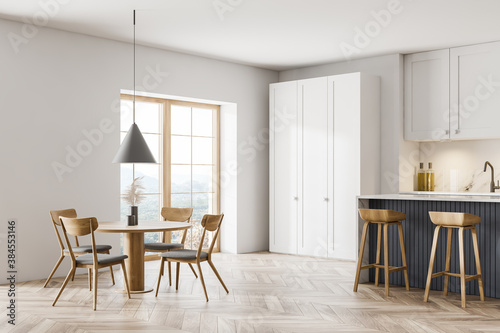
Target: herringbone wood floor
{"x": 268, "y": 293}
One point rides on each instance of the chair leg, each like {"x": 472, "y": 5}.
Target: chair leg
{"x": 111, "y": 271}
{"x": 478, "y": 263}
{"x": 386, "y": 258}
{"x": 431, "y": 263}
{"x": 112, "y": 275}
{"x": 169, "y": 274}
{"x": 202, "y": 280}
{"x": 66, "y": 280}
{"x": 90, "y": 279}
{"x": 360, "y": 259}
{"x": 54, "y": 270}
{"x": 95, "y": 288}
{"x": 177, "y": 271}
{"x": 377, "y": 269}
{"x": 217, "y": 274}
{"x": 462, "y": 264}
{"x": 403, "y": 254}
{"x": 162, "y": 272}
{"x": 125, "y": 278}
{"x": 73, "y": 277}
{"x": 448, "y": 260}
{"x": 162, "y": 265}
{"x": 192, "y": 268}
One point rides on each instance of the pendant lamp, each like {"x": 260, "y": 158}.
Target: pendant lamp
{"x": 134, "y": 148}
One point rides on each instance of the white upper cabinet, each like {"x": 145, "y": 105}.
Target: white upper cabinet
{"x": 453, "y": 93}
{"x": 475, "y": 91}
{"x": 427, "y": 95}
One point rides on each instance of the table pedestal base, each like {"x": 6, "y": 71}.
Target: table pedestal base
{"x": 133, "y": 247}
{"x": 123, "y": 291}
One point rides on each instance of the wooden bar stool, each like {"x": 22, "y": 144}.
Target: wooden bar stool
{"x": 384, "y": 218}
{"x": 460, "y": 221}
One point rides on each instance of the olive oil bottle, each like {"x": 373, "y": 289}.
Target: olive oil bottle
{"x": 429, "y": 177}
{"x": 421, "y": 181}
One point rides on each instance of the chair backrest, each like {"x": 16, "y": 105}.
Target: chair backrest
{"x": 79, "y": 227}
{"x": 210, "y": 223}
{"x": 55, "y": 215}
{"x": 178, "y": 215}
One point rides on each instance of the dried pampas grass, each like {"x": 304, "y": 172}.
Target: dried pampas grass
{"x": 134, "y": 193}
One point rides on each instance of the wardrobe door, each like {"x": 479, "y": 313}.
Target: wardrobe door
{"x": 283, "y": 173}
{"x": 313, "y": 157}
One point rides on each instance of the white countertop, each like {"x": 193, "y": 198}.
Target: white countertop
{"x": 436, "y": 196}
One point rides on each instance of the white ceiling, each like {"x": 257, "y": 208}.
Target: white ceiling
{"x": 274, "y": 34}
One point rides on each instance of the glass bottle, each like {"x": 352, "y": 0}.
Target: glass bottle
{"x": 421, "y": 183}
{"x": 429, "y": 176}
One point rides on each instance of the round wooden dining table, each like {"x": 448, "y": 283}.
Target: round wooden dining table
{"x": 133, "y": 246}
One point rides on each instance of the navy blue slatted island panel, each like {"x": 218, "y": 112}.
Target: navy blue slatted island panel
{"x": 418, "y": 235}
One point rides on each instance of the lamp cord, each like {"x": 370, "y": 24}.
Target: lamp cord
{"x": 133, "y": 108}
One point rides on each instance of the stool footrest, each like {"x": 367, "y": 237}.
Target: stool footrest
{"x": 467, "y": 277}
{"x": 473, "y": 277}
{"x": 392, "y": 269}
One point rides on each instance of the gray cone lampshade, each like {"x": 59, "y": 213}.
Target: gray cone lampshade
{"x": 134, "y": 148}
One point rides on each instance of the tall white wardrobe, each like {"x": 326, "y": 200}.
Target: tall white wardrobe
{"x": 324, "y": 151}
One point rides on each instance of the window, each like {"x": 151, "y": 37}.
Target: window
{"x": 193, "y": 159}
{"x": 148, "y": 116}
{"x": 185, "y": 139}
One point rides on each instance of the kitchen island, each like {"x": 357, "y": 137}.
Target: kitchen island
{"x": 418, "y": 234}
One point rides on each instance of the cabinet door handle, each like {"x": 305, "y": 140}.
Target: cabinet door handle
{"x": 447, "y": 132}
{"x": 295, "y": 198}
{"x": 326, "y": 199}
{"x": 457, "y": 131}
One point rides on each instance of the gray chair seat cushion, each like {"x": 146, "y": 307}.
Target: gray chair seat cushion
{"x": 88, "y": 259}
{"x": 163, "y": 246}
{"x": 183, "y": 254}
{"x": 88, "y": 248}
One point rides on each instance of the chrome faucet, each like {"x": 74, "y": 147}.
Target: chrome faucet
{"x": 493, "y": 187}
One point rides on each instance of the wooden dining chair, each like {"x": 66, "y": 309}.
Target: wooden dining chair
{"x": 209, "y": 223}
{"x": 177, "y": 215}
{"x": 78, "y": 249}
{"x": 81, "y": 227}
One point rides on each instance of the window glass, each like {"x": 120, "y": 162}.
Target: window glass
{"x": 181, "y": 120}
{"x": 147, "y": 117}
{"x": 180, "y": 200}
{"x": 202, "y": 121}
{"x": 153, "y": 142}
{"x": 202, "y": 150}
{"x": 181, "y": 179}
{"x": 180, "y": 147}
{"x": 202, "y": 178}
{"x": 150, "y": 174}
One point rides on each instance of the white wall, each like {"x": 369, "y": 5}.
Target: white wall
{"x": 388, "y": 68}
{"x": 229, "y": 183}
{"x": 61, "y": 83}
